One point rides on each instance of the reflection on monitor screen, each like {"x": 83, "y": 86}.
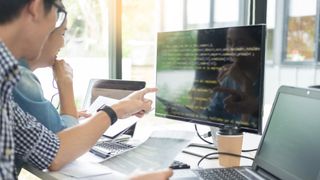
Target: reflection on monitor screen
{"x": 212, "y": 76}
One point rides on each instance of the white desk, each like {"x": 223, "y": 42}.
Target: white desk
{"x": 151, "y": 123}
{"x": 145, "y": 127}
{"x": 57, "y": 175}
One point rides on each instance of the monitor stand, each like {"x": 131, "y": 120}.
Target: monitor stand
{"x": 214, "y": 131}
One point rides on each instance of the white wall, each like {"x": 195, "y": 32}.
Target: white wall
{"x": 277, "y": 75}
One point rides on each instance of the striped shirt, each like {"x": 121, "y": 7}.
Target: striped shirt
{"x": 21, "y": 135}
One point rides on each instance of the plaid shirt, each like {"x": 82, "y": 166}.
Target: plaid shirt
{"x": 20, "y": 134}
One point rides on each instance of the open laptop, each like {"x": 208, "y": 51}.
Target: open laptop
{"x": 116, "y": 89}
{"x": 290, "y": 146}
{"x": 108, "y": 145}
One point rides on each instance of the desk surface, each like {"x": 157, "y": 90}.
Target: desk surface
{"x": 151, "y": 123}
{"x": 144, "y": 129}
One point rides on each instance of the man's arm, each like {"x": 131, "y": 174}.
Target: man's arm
{"x": 156, "y": 175}
{"x": 79, "y": 139}
{"x": 34, "y": 143}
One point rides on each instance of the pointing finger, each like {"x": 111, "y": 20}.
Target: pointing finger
{"x": 148, "y": 90}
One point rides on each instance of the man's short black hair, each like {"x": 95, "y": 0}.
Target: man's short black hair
{"x": 10, "y": 9}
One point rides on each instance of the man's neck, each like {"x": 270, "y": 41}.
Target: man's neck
{"x": 11, "y": 35}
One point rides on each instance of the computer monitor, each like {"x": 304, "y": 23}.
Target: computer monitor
{"x": 212, "y": 76}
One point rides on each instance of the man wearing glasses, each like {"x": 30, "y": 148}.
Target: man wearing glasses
{"x": 24, "y": 27}
{"x": 61, "y": 14}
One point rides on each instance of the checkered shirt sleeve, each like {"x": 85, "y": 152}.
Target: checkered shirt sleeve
{"x": 34, "y": 143}
{"x": 20, "y": 134}
{"x": 8, "y": 77}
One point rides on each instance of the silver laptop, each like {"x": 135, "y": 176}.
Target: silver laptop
{"x": 116, "y": 89}
{"x": 290, "y": 145}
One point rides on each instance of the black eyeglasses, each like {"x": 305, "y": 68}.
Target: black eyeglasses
{"x": 61, "y": 14}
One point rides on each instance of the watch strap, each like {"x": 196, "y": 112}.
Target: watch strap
{"x": 111, "y": 113}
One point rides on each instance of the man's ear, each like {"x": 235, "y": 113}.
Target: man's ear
{"x": 34, "y": 10}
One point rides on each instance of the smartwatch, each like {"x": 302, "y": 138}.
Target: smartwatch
{"x": 110, "y": 112}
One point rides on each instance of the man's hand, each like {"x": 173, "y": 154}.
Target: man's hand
{"x": 157, "y": 175}
{"x": 134, "y": 104}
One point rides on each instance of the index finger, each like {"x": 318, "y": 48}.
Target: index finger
{"x": 148, "y": 90}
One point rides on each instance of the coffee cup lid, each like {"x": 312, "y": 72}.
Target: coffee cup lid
{"x": 230, "y": 130}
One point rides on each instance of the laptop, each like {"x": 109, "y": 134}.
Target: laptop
{"x": 289, "y": 147}
{"x": 108, "y": 145}
{"x": 116, "y": 89}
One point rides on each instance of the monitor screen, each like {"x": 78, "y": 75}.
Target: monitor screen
{"x": 212, "y": 76}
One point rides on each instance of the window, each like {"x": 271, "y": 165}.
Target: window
{"x": 301, "y": 31}
{"x": 227, "y": 12}
{"x": 139, "y": 26}
{"x": 271, "y": 18}
{"x": 172, "y": 15}
{"x": 198, "y": 14}
{"x": 142, "y": 19}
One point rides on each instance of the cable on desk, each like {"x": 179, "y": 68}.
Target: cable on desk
{"x": 209, "y": 134}
{"x": 195, "y": 126}
{"x": 198, "y": 155}
{"x": 223, "y": 153}
{"x": 249, "y": 150}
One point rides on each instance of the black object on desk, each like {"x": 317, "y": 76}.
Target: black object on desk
{"x": 179, "y": 165}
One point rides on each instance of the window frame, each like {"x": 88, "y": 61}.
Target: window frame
{"x": 243, "y": 15}
{"x": 317, "y": 35}
{"x": 115, "y": 40}
{"x": 284, "y": 36}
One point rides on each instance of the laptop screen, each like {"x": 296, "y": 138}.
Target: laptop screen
{"x": 116, "y": 89}
{"x": 290, "y": 148}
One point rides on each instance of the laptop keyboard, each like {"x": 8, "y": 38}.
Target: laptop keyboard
{"x": 108, "y": 149}
{"x": 219, "y": 173}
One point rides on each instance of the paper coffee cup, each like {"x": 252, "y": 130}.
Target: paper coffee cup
{"x": 229, "y": 144}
